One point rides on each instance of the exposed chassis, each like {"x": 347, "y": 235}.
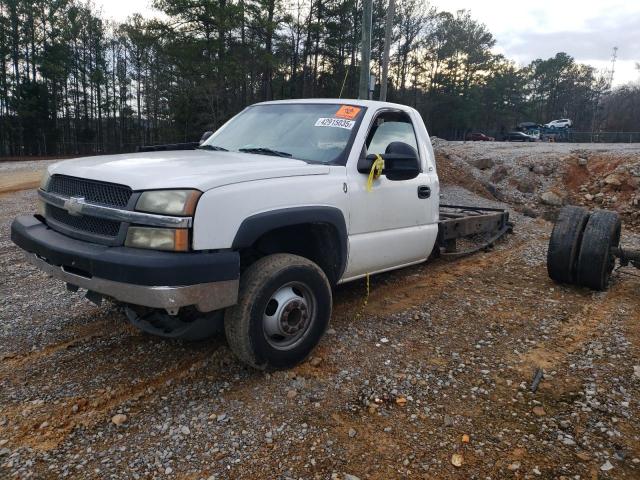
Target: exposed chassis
{"x": 459, "y": 221}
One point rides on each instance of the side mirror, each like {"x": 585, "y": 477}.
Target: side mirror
{"x": 397, "y": 166}
{"x": 204, "y": 137}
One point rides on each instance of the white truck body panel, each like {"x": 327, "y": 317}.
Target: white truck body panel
{"x": 199, "y": 169}
{"x": 221, "y": 210}
{"x": 389, "y": 227}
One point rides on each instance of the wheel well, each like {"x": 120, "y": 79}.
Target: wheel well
{"x": 319, "y": 242}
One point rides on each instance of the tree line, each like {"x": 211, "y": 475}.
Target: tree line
{"x": 72, "y": 82}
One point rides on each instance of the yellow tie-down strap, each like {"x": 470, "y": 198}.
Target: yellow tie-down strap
{"x": 375, "y": 172}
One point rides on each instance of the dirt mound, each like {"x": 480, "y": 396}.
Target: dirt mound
{"x": 454, "y": 171}
{"x": 606, "y": 182}
{"x": 537, "y": 179}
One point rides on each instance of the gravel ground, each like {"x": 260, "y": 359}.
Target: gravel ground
{"x": 435, "y": 369}
{"x": 25, "y": 165}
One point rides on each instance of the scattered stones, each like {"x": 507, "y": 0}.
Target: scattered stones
{"x": 582, "y": 161}
{"x": 292, "y": 394}
{"x": 514, "y": 466}
{"x": 613, "y": 180}
{"x": 499, "y": 174}
{"x": 119, "y": 419}
{"x": 483, "y": 163}
{"x": 606, "y": 466}
{"x": 315, "y": 361}
{"x": 457, "y": 460}
{"x": 551, "y": 198}
{"x": 352, "y": 432}
{"x": 539, "y": 411}
{"x": 584, "y": 456}
{"x": 540, "y": 169}
{"x": 527, "y": 184}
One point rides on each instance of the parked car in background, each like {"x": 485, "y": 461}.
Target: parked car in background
{"x": 561, "y": 123}
{"x": 523, "y": 126}
{"x": 479, "y": 137}
{"x": 519, "y": 137}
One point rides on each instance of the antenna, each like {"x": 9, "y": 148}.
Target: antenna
{"x": 614, "y": 56}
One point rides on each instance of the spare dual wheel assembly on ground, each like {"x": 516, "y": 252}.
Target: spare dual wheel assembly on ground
{"x": 584, "y": 246}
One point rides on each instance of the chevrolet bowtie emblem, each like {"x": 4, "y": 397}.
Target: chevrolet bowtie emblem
{"x": 73, "y": 205}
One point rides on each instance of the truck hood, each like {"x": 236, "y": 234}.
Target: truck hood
{"x": 200, "y": 169}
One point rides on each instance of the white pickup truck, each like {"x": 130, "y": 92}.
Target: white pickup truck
{"x": 254, "y": 226}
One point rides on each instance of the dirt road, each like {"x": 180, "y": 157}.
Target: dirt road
{"x": 22, "y": 175}
{"x": 442, "y": 353}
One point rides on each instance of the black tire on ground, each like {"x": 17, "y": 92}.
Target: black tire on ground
{"x": 595, "y": 261}
{"x": 283, "y": 309}
{"x": 564, "y": 244}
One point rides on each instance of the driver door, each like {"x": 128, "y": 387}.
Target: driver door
{"x": 396, "y": 223}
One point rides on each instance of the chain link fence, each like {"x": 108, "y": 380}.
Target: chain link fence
{"x": 604, "y": 137}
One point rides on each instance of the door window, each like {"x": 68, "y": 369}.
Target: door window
{"x": 390, "y": 127}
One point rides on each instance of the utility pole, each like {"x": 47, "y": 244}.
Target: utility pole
{"x": 388, "y": 28}
{"x": 365, "y": 57}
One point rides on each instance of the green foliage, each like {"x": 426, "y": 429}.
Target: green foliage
{"x": 71, "y": 82}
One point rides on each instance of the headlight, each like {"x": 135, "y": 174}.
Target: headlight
{"x": 44, "y": 182}
{"x": 169, "y": 202}
{"x": 176, "y": 240}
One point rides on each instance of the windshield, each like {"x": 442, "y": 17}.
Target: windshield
{"x": 311, "y": 132}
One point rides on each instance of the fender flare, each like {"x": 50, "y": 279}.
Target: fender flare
{"x": 253, "y": 227}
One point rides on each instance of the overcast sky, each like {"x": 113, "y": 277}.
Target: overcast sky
{"x": 585, "y": 29}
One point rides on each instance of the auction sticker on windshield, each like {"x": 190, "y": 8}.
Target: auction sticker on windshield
{"x": 347, "y": 111}
{"x": 335, "y": 123}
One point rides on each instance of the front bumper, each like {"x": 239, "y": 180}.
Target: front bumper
{"x": 141, "y": 277}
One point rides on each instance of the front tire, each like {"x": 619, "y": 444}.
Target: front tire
{"x": 283, "y": 309}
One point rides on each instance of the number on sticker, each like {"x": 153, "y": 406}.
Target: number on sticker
{"x": 335, "y": 123}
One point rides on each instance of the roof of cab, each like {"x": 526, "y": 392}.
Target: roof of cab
{"x": 346, "y": 101}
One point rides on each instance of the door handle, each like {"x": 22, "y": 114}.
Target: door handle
{"x": 424, "y": 191}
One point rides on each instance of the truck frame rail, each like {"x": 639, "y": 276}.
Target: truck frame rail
{"x": 482, "y": 224}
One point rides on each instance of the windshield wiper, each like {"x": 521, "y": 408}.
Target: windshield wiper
{"x": 264, "y": 151}
{"x": 212, "y": 147}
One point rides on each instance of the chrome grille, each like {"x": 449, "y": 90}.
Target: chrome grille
{"x": 102, "y": 193}
{"x": 91, "y": 225}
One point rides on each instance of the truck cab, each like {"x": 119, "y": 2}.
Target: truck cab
{"x": 251, "y": 229}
